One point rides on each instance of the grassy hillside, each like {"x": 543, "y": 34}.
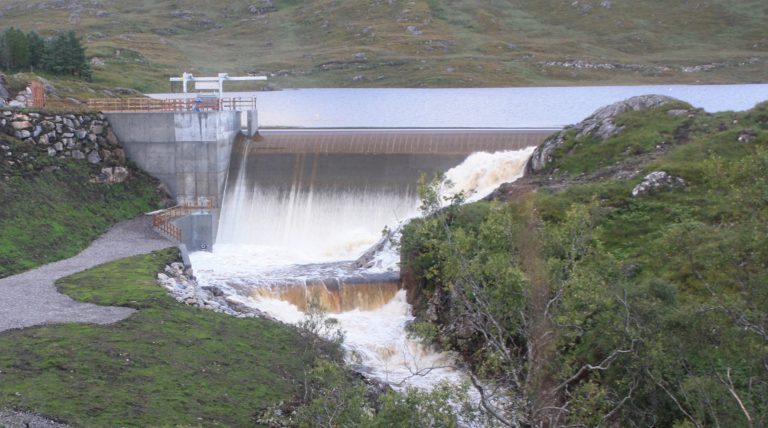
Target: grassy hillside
{"x": 167, "y": 365}
{"x": 429, "y": 43}
{"x": 600, "y": 308}
{"x": 49, "y": 209}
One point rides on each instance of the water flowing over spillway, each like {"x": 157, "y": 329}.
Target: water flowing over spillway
{"x": 286, "y": 240}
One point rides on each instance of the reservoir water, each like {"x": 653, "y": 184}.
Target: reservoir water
{"x": 540, "y": 107}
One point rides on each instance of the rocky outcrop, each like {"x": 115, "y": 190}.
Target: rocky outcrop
{"x": 112, "y": 175}
{"x": 86, "y": 137}
{"x": 599, "y": 125}
{"x": 655, "y": 181}
{"x": 262, "y": 7}
{"x": 183, "y": 287}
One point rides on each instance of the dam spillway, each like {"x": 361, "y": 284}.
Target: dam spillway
{"x": 310, "y": 187}
{"x": 301, "y": 206}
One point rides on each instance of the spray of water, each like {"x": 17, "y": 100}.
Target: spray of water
{"x": 277, "y": 249}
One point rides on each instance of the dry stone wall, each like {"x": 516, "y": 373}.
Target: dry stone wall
{"x": 85, "y": 137}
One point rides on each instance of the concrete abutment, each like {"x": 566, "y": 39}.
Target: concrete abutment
{"x": 187, "y": 151}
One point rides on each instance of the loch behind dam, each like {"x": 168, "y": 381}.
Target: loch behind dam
{"x": 538, "y": 107}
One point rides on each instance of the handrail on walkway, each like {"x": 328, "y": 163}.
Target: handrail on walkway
{"x": 162, "y": 220}
{"x": 171, "y": 104}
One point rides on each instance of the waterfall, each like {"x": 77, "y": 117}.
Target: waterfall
{"x": 286, "y": 240}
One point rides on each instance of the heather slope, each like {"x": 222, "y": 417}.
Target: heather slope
{"x": 419, "y": 43}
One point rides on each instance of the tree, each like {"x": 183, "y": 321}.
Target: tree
{"x": 17, "y": 49}
{"x": 4, "y": 54}
{"x": 36, "y": 49}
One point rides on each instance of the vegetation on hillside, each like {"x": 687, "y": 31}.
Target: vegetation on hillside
{"x": 594, "y": 307}
{"x": 61, "y": 54}
{"x": 167, "y": 365}
{"x": 171, "y": 364}
{"x": 431, "y": 43}
{"x": 50, "y": 210}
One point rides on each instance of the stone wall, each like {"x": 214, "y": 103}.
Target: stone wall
{"x": 88, "y": 137}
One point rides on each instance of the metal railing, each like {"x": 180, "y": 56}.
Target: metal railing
{"x": 163, "y": 220}
{"x": 171, "y": 104}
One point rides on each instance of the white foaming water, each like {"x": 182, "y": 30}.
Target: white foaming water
{"x": 266, "y": 237}
{"x": 481, "y": 173}
{"x": 378, "y": 346}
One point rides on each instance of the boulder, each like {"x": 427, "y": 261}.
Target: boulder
{"x": 112, "y": 138}
{"x": 21, "y": 124}
{"x": 23, "y": 134}
{"x": 215, "y": 291}
{"x": 746, "y": 136}
{"x": 119, "y": 156}
{"x": 599, "y": 125}
{"x": 78, "y": 154}
{"x": 677, "y": 112}
{"x": 94, "y": 157}
{"x": 413, "y": 30}
{"x": 262, "y": 7}
{"x": 111, "y": 175}
{"x": 655, "y": 181}
{"x": 4, "y": 92}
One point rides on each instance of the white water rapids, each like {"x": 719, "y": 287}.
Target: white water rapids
{"x": 275, "y": 249}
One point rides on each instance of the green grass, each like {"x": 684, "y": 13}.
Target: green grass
{"x": 167, "y": 365}
{"x": 486, "y": 43}
{"x": 643, "y": 132}
{"x": 50, "y": 210}
{"x": 674, "y": 277}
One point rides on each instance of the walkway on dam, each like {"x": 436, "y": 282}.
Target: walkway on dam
{"x": 30, "y": 298}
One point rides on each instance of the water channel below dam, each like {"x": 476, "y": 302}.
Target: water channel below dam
{"x": 301, "y": 206}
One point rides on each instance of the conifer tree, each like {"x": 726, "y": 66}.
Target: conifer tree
{"x": 17, "y": 48}
{"x": 4, "y": 54}
{"x": 36, "y": 49}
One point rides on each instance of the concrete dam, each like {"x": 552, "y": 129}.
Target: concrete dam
{"x": 296, "y": 208}
{"x": 285, "y": 186}
{"x": 327, "y": 194}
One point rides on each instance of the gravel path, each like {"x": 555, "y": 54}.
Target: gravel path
{"x": 13, "y": 419}
{"x": 30, "y": 298}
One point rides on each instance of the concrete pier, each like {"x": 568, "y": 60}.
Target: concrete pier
{"x": 188, "y": 151}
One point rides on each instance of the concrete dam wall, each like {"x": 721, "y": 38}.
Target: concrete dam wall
{"x": 308, "y": 188}
{"x": 284, "y": 185}
{"x": 302, "y": 207}
{"x": 332, "y": 160}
